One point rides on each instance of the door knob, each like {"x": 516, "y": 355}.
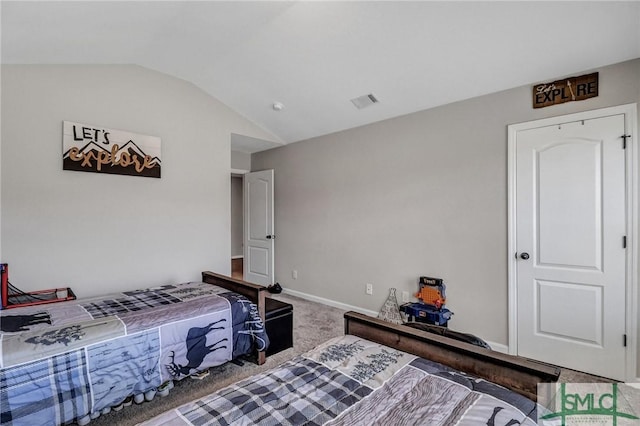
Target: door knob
{"x": 524, "y": 256}
{"x": 271, "y": 237}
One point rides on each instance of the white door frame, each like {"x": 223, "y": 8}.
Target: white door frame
{"x": 632, "y": 186}
{"x": 241, "y": 172}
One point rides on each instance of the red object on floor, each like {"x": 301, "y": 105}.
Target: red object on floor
{"x": 39, "y": 297}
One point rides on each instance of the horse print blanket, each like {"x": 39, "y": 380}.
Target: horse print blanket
{"x": 64, "y": 361}
{"x": 351, "y": 381}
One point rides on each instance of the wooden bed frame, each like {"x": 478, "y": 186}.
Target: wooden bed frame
{"x": 254, "y": 292}
{"x": 518, "y": 374}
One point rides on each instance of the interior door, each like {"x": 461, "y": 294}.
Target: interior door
{"x": 258, "y": 227}
{"x": 570, "y": 234}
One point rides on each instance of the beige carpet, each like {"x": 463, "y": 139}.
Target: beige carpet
{"x": 313, "y": 323}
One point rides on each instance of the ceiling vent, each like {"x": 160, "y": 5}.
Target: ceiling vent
{"x": 364, "y": 101}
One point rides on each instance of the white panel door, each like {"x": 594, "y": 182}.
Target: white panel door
{"x": 570, "y": 225}
{"x": 258, "y": 227}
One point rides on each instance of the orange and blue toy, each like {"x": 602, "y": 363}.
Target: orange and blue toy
{"x": 430, "y": 308}
{"x": 432, "y": 292}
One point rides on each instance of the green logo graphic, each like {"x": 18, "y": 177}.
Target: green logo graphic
{"x": 589, "y": 404}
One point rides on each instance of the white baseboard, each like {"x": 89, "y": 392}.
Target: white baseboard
{"x": 498, "y": 347}
{"x": 330, "y": 302}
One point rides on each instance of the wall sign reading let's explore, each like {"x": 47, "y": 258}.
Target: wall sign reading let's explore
{"x": 566, "y": 90}
{"x": 90, "y": 148}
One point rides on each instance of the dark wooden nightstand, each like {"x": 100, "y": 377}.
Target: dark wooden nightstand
{"x": 279, "y": 325}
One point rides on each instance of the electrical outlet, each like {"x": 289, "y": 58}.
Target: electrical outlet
{"x": 294, "y": 274}
{"x": 369, "y": 289}
{"x": 405, "y": 296}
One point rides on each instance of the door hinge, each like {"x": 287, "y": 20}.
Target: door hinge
{"x": 624, "y": 340}
{"x": 624, "y": 242}
{"x": 624, "y": 141}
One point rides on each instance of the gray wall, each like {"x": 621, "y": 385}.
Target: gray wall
{"x": 421, "y": 194}
{"x": 240, "y": 160}
{"x": 237, "y": 235}
{"x": 97, "y": 233}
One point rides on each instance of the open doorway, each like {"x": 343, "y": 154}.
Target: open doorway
{"x": 242, "y": 147}
{"x": 237, "y": 219}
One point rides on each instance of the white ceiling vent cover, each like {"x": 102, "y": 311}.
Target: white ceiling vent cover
{"x": 365, "y": 101}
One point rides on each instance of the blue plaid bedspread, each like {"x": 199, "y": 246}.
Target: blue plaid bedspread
{"x": 280, "y": 397}
{"x": 61, "y": 362}
{"x": 55, "y": 391}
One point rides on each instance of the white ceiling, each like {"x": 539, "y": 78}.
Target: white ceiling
{"x": 314, "y": 57}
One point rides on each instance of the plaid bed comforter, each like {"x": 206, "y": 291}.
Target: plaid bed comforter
{"x": 351, "y": 381}
{"x": 63, "y": 361}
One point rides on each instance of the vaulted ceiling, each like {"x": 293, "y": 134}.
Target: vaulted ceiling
{"x": 314, "y": 57}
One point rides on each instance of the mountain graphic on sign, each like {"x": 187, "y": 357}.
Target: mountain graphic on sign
{"x": 131, "y": 148}
{"x": 91, "y": 151}
{"x": 91, "y": 146}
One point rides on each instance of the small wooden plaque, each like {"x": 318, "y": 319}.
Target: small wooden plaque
{"x": 565, "y": 90}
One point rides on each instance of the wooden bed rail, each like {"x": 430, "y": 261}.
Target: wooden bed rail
{"x": 518, "y": 374}
{"x": 254, "y": 292}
